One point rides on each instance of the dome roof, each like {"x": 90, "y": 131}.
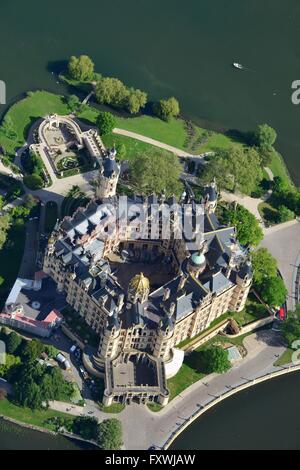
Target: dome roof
{"x": 198, "y": 259}
{"x": 109, "y": 166}
{"x": 139, "y": 283}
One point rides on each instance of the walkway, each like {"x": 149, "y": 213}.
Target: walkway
{"x": 156, "y": 143}
{"x": 248, "y": 202}
{"x": 154, "y": 428}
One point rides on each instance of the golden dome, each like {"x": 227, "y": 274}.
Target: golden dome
{"x": 139, "y": 284}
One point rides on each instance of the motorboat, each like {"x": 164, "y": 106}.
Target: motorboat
{"x": 237, "y": 65}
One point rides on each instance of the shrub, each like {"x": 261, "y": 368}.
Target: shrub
{"x": 106, "y": 122}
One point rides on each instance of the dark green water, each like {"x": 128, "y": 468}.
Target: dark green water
{"x": 263, "y": 417}
{"x": 169, "y": 47}
{"x": 14, "y": 437}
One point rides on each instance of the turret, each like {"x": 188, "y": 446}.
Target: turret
{"x": 197, "y": 261}
{"x": 108, "y": 176}
{"x": 210, "y": 197}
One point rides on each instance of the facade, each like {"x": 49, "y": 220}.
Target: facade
{"x": 145, "y": 294}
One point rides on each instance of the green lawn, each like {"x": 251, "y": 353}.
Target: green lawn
{"x": 183, "y": 379}
{"x": 23, "y": 114}
{"x": 26, "y": 415}
{"x": 279, "y": 168}
{"x": 134, "y": 148}
{"x": 114, "y": 408}
{"x": 173, "y": 132}
{"x": 50, "y": 216}
{"x": 253, "y": 311}
{"x": 76, "y": 395}
{"x": 285, "y": 358}
{"x": 10, "y": 258}
{"x": 155, "y": 407}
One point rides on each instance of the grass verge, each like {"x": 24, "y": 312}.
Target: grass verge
{"x": 28, "y": 416}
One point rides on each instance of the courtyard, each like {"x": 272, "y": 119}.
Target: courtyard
{"x": 158, "y": 272}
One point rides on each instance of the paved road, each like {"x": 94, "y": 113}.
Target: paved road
{"x": 154, "y": 428}
{"x": 283, "y": 241}
{"x": 28, "y": 264}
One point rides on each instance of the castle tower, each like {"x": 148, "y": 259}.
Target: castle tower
{"x": 138, "y": 289}
{"x": 108, "y": 176}
{"x": 210, "y": 197}
{"x": 243, "y": 283}
{"x": 109, "y": 340}
{"x": 197, "y": 262}
{"x": 163, "y": 343}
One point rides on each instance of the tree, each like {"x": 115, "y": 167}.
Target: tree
{"x": 73, "y": 103}
{"x": 13, "y": 342}
{"x": 28, "y": 393}
{"x": 136, "y": 100}
{"x": 32, "y": 350}
{"x": 236, "y": 169}
{"x": 33, "y": 164}
{"x": 285, "y": 214}
{"x": 265, "y": 137}
{"x": 7, "y": 128}
{"x": 121, "y": 151}
{"x": 248, "y": 229}
{"x": 291, "y": 327}
{"x": 5, "y": 222}
{"x": 10, "y": 362}
{"x": 166, "y": 109}
{"x": 1, "y": 202}
{"x": 50, "y": 350}
{"x": 110, "y": 434}
{"x": 273, "y": 291}
{"x": 33, "y": 181}
{"x": 111, "y": 91}
{"x": 81, "y": 68}
{"x": 20, "y": 212}
{"x": 36, "y": 383}
{"x": 106, "y": 122}
{"x": 215, "y": 359}
{"x": 264, "y": 265}
{"x": 30, "y": 201}
{"x": 279, "y": 185}
{"x": 86, "y": 427}
{"x": 1, "y": 280}
{"x": 157, "y": 173}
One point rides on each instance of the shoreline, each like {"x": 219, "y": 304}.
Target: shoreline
{"x": 224, "y": 396}
{"x": 219, "y": 130}
{"x": 36, "y": 428}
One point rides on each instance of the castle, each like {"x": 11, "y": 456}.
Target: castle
{"x": 141, "y": 291}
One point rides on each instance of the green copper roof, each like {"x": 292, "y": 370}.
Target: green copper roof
{"x": 198, "y": 258}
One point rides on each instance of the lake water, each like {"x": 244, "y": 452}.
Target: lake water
{"x": 169, "y": 48}
{"x": 184, "y": 49}
{"x": 14, "y": 437}
{"x": 263, "y": 417}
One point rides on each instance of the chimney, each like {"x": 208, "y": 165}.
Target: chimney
{"x": 172, "y": 309}
{"x": 167, "y": 293}
{"x": 182, "y": 281}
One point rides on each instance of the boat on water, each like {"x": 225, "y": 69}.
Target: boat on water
{"x": 237, "y": 65}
